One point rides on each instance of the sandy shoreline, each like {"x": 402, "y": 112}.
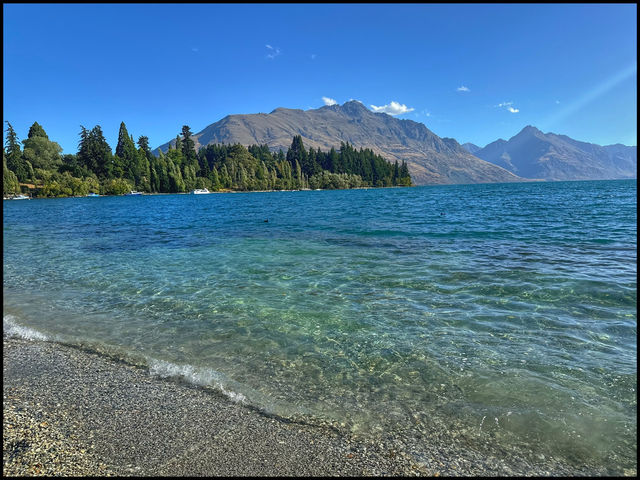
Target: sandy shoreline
{"x": 68, "y": 412}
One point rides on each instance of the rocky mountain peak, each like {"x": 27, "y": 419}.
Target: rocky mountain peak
{"x": 355, "y": 108}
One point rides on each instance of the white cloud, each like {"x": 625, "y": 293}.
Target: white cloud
{"x": 274, "y": 52}
{"x": 329, "y": 101}
{"x": 463, "y": 89}
{"x": 508, "y": 106}
{"x": 394, "y": 108}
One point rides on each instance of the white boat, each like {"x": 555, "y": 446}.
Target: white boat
{"x": 20, "y": 197}
{"x": 133, "y": 192}
{"x": 92, "y": 194}
{"x": 200, "y": 191}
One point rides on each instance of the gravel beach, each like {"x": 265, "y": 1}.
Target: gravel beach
{"x": 71, "y": 412}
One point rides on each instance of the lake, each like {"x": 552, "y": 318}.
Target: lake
{"x": 502, "y": 313}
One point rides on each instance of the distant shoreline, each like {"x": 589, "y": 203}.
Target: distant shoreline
{"x": 223, "y": 191}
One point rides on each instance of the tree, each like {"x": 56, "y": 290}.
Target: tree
{"x": 178, "y": 145}
{"x": 94, "y": 152}
{"x": 12, "y": 145}
{"x": 403, "y": 175}
{"x": 144, "y": 161}
{"x": 127, "y": 162}
{"x": 117, "y": 186}
{"x": 10, "y": 184}
{"x": 36, "y": 130}
{"x": 16, "y": 163}
{"x": 297, "y": 152}
{"x": 188, "y": 145}
{"x": 41, "y": 152}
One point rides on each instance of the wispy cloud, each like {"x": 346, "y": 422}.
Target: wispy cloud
{"x": 194, "y": 49}
{"x": 463, "y": 89}
{"x": 273, "y": 51}
{"x": 394, "y": 108}
{"x": 329, "y": 101}
{"x": 313, "y": 56}
{"x": 508, "y": 106}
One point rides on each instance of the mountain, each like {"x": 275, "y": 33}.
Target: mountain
{"x": 547, "y": 156}
{"x": 430, "y": 159}
{"x": 471, "y": 148}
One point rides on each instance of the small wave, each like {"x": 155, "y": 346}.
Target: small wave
{"x": 12, "y": 329}
{"x": 200, "y": 376}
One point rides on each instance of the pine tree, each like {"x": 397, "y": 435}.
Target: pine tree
{"x": 188, "y": 146}
{"x": 36, "y": 130}
{"x": 15, "y": 161}
{"x": 297, "y": 152}
{"x": 94, "y": 152}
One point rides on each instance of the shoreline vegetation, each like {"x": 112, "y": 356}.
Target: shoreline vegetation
{"x": 70, "y": 411}
{"x": 38, "y": 168}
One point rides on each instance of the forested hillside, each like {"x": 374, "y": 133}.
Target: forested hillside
{"x": 39, "y": 168}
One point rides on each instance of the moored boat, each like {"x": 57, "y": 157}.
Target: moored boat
{"x": 200, "y": 191}
{"x": 133, "y": 192}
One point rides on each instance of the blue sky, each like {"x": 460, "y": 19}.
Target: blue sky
{"x": 472, "y": 72}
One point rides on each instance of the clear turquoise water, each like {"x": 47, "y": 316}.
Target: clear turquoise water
{"x": 507, "y": 312}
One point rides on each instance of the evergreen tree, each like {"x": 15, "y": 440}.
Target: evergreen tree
{"x": 188, "y": 145}
{"x": 297, "y": 152}
{"x": 127, "y": 162}
{"x": 10, "y": 183}
{"x": 94, "y": 152}
{"x": 403, "y": 175}
{"x": 144, "y": 161}
{"x": 12, "y": 145}
{"x": 36, "y": 130}
{"x": 16, "y": 163}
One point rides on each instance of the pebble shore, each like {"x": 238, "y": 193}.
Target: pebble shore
{"x": 71, "y": 412}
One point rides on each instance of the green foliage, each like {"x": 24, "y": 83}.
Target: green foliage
{"x": 94, "y": 152}
{"x": 42, "y": 153}
{"x": 36, "y": 130}
{"x": 10, "y": 184}
{"x": 116, "y": 186}
{"x": 12, "y": 145}
{"x": 66, "y": 185}
{"x": 16, "y": 163}
{"x": 181, "y": 169}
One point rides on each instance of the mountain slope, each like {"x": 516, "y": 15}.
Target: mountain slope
{"x": 471, "y": 148}
{"x": 431, "y": 159}
{"x": 533, "y": 154}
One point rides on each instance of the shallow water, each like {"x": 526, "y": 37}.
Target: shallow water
{"x": 503, "y": 312}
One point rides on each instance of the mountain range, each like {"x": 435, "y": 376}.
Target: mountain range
{"x": 430, "y": 159}
{"x": 548, "y": 156}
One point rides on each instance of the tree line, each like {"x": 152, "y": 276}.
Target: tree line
{"x": 221, "y": 167}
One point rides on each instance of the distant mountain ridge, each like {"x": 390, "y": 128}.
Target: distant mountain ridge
{"x": 548, "y": 156}
{"x": 471, "y": 148}
{"x": 430, "y": 159}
